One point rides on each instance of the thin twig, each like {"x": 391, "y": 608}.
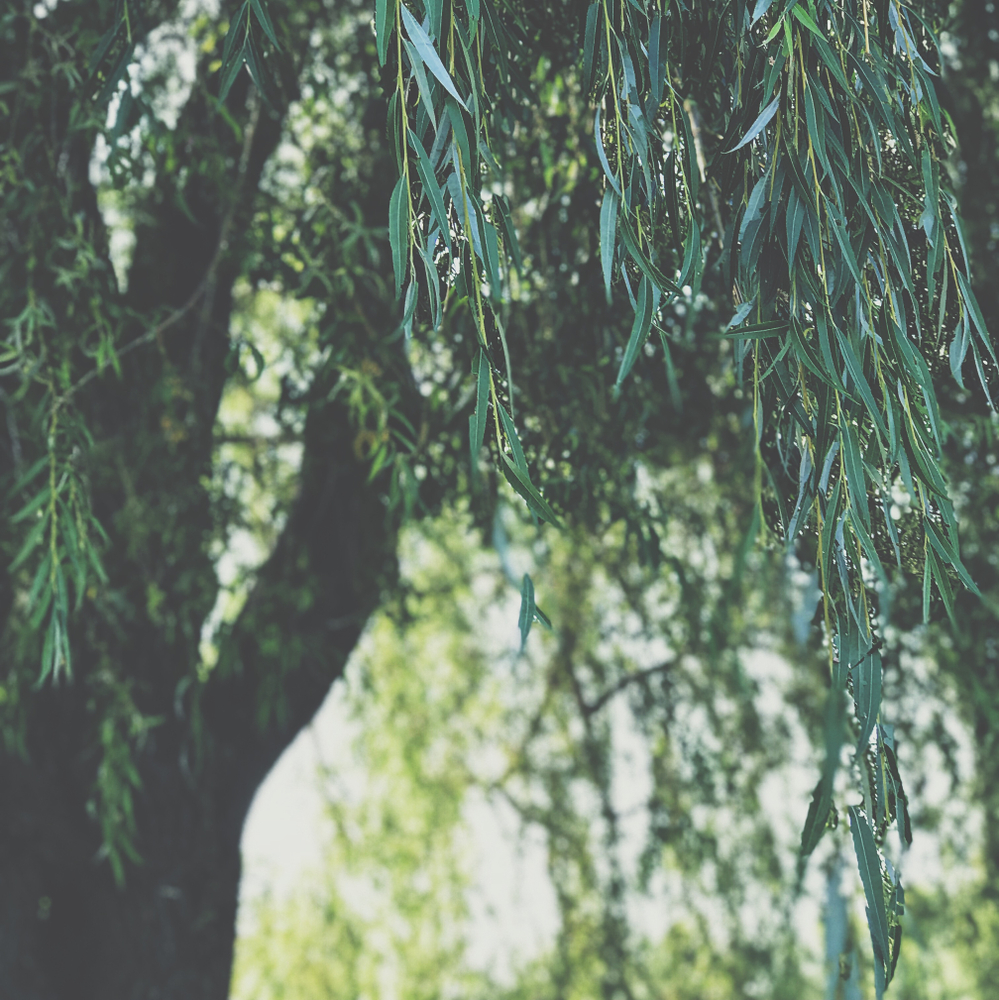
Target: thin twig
{"x": 207, "y": 283}
{"x": 625, "y": 681}
{"x": 150, "y": 335}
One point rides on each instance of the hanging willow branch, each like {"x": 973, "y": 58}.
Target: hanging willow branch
{"x": 798, "y": 148}
{"x": 811, "y": 137}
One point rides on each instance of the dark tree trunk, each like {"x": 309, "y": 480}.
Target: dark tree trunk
{"x": 973, "y": 657}
{"x": 68, "y": 930}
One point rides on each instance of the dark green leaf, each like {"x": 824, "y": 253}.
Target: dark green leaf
{"x": 640, "y": 330}
{"x": 509, "y": 231}
{"x": 589, "y": 46}
{"x": 422, "y": 83}
{"x": 520, "y": 481}
{"x": 511, "y": 433}
{"x": 869, "y": 863}
{"x": 260, "y": 9}
{"x": 28, "y": 476}
{"x": 527, "y": 610}
{"x": 32, "y": 505}
{"x": 428, "y": 53}
{"x": 30, "y": 543}
{"x": 399, "y": 231}
{"x": 644, "y": 264}
{"x": 230, "y": 72}
{"x": 430, "y": 188}
{"x": 608, "y": 236}
{"x": 818, "y": 810}
{"x": 602, "y": 155}
{"x": 759, "y": 125}
{"x": 867, "y": 696}
{"x": 949, "y": 555}
{"x": 383, "y": 27}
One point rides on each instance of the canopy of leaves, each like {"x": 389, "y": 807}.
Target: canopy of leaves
{"x": 766, "y": 185}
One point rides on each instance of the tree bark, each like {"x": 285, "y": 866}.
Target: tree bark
{"x": 68, "y": 931}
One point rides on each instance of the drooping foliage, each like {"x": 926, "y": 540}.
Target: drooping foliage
{"x": 790, "y": 157}
{"x": 800, "y": 149}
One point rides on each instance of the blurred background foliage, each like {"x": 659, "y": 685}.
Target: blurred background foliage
{"x": 646, "y": 781}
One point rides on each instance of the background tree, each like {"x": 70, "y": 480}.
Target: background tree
{"x": 541, "y": 739}
{"x": 134, "y": 746}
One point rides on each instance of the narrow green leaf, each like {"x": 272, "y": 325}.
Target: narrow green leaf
{"x": 236, "y": 28}
{"x": 833, "y": 65}
{"x": 602, "y": 154}
{"x": 230, "y": 73}
{"x": 383, "y": 27}
{"x": 435, "y": 11}
{"x": 589, "y": 46}
{"x": 32, "y": 505}
{"x": 757, "y": 331}
{"x": 856, "y": 480}
{"x": 690, "y": 269}
{"x": 802, "y": 15}
{"x": 927, "y": 587}
{"x": 28, "y": 476}
{"x": 608, "y": 236}
{"x": 943, "y": 584}
{"x": 645, "y": 265}
{"x": 762, "y": 6}
{"x": 778, "y": 24}
{"x": 34, "y": 537}
{"x": 101, "y": 49}
{"x": 422, "y": 83}
{"x": 829, "y": 527}
{"x": 260, "y": 9}
{"x": 949, "y": 556}
{"x": 41, "y": 609}
{"x": 869, "y": 863}
{"x": 867, "y": 696}
{"x": 428, "y": 53}
{"x": 492, "y": 260}
{"x": 48, "y": 648}
{"x": 971, "y": 303}
{"x": 759, "y": 125}
{"x": 863, "y": 388}
{"x": 460, "y": 136}
{"x": 477, "y": 421}
{"x": 520, "y": 481}
{"x": 657, "y": 66}
{"x": 430, "y": 188}
{"x": 515, "y": 446}
{"x": 95, "y": 561}
{"x": 639, "y": 331}
{"x": 818, "y": 810}
{"x": 527, "y": 610}
{"x": 470, "y": 222}
{"x": 259, "y": 73}
{"x": 509, "y": 231}
{"x": 901, "y": 800}
{"x": 867, "y": 544}
{"x": 399, "y": 231}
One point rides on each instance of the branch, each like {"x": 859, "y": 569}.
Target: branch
{"x": 305, "y": 613}
{"x": 624, "y": 682}
{"x": 206, "y": 284}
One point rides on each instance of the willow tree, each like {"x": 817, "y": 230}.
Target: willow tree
{"x": 558, "y": 180}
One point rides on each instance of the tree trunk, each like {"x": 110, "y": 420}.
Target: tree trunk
{"x": 68, "y": 929}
